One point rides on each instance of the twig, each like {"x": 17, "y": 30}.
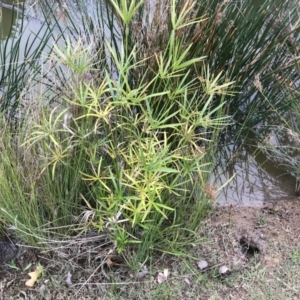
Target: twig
{"x": 210, "y": 268}
{"x": 102, "y": 271}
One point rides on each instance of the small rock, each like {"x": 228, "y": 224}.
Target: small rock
{"x": 223, "y": 270}
{"x": 143, "y": 272}
{"x": 69, "y": 279}
{"x": 162, "y": 277}
{"x": 202, "y": 264}
{"x": 42, "y": 288}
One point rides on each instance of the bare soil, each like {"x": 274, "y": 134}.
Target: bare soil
{"x": 267, "y": 231}
{"x": 255, "y": 242}
{"x": 276, "y": 228}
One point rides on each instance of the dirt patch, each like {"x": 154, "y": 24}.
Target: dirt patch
{"x": 241, "y": 233}
{"x": 262, "y": 229}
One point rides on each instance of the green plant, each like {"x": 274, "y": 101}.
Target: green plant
{"x": 295, "y": 257}
{"x": 133, "y": 137}
{"x": 135, "y": 151}
{"x": 12, "y": 265}
{"x": 252, "y": 43}
{"x": 261, "y": 220}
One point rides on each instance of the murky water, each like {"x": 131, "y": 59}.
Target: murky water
{"x": 253, "y": 179}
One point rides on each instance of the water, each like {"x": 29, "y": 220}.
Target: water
{"x": 25, "y": 51}
{"x": 252, "y": 179}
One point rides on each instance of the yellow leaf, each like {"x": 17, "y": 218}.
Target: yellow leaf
{"x": 34, "y": 276}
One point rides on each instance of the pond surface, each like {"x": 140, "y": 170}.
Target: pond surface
{"x": 252, "y": 179}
